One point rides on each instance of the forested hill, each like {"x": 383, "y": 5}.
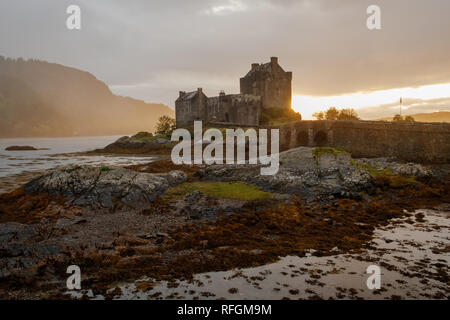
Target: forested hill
{"x": 38, "y": 98}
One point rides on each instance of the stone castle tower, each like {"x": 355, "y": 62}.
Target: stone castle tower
{"x": 265, "y": 86}
{"x": 271, "y": 83}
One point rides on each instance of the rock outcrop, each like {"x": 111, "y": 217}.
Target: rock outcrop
{"x": 405, "y": 169}
{"x": 141, "y": 143}
{"x": 103, "y": 187}
{"x": 318, "y": 171}
{"x": 303, "y": 172}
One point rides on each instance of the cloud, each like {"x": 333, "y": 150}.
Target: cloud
{"x": 231, "y": 6}
{"x": 324, "y": 42}
{"x": 163, "y": 85}
{"x": 410, "y": 106}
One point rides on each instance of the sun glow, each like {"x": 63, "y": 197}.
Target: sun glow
{"x": 307, "y": 105}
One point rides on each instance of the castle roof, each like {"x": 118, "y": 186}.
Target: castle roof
{"x": 188, "y": 96}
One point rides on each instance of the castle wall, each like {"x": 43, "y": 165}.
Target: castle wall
{"x": 189, "y": 110}
{"x": 234, "y": 108}
{"x": 182, "y": 112}
{"x": 415, "y": 142}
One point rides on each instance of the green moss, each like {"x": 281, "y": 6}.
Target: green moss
{"x": 143, "y": 136}
{"x": 234, "y": 190}
{"x": 319, "y": 151}
{"x": 146, "y": 136}
{"x": 386, "y": 177}
{"x": 373, "y": 171}
{"x": 105, "y": 169}
{"x": 398, "y": 182}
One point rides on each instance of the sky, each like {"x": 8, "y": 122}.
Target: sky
{"x": 152, "y": 49}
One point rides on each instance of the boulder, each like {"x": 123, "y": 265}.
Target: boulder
{"x": 103, "y": 187}
{"x": 300, "y": 159}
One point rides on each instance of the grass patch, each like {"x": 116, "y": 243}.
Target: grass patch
{"x": 105, "y": 169}
{"x": 228, "y": 190}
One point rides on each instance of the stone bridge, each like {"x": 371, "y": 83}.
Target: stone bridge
{"x": 415, "y": 142}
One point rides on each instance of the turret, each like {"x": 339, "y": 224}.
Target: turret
{"x": 274, "y": 61}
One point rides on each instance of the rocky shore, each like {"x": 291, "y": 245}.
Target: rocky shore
{"x": 141, "y": 143}
{"x": 21, "y": 148}
{"x": 171, "y": 222}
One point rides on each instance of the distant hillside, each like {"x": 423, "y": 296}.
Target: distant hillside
{"x": 45, "y": 99}
{"x": 442, "y": 116}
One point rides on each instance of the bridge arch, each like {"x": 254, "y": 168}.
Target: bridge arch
{"x": 301, "y": 139}
{"x": 320, "y": 138}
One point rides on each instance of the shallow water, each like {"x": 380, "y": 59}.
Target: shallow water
{"x": 18, "y": 162}
{"x": 410, "y": 257}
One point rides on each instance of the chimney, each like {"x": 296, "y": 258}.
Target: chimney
{"x": 255, "y": 65}
{"x": 274, "y": 61}
{"x": 200, "y": 90}
{"x": 222, "y": 93}
{"x": 182, "y": 93}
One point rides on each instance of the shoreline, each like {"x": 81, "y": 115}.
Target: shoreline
{"x": 338, "y": 276}
{"x": 182, "y": 232}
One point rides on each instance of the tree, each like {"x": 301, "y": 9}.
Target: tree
{"x": 410, "y": 119}
{"x": 399, "y": 118}
{"x": 319, "y": 115}
{"x": 335, "y": 114}
{"x": 332, "y": 114}
{"x": 348, "y": 114}
{"x": 165, "y": 126}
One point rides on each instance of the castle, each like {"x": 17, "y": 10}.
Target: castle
{"x": 265, "y": 86}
